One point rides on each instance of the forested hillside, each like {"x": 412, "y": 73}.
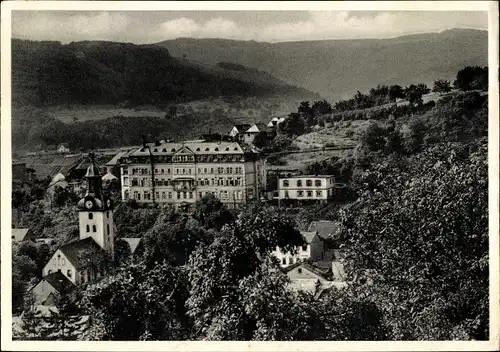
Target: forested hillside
{"x": 49, "y": 73}
{"x": 338, "y": 68}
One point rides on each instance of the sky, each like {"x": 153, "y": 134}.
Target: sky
{"x": 141, "y": 27}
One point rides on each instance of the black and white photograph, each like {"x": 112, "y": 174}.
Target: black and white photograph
{"x": 249, "y": 174}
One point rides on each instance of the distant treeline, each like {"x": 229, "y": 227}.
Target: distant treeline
{"x": 469, "y": 78}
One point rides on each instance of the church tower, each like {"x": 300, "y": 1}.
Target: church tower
{"x": 96, "y": 211}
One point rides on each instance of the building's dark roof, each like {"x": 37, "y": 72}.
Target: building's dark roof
{"x": 59, "y": 281}
{"x": 325, "y": 228}
{"x": 83, "y": 253}
{"x": 263, "y": 127}
{"x": 51, "y": 164}
{"x": 242, "y": 127}
{"x": 324, "y": 273}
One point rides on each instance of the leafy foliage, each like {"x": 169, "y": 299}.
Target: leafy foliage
{"x": 423, "y": 233}
{"x": 139, "y": 303}
{"x": 472, "y": 77}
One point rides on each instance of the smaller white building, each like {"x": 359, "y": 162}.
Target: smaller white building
{"x": 63, "y": 148}
{"x": 307, "y": 187}
{"x": 312, "y": 250}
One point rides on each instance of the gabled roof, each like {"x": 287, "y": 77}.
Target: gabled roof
{"x": 116, "y": 159}
{"x": 19, "y": 234}
{"x": 83, "y": 253}
{"x": 59, "y": 281}
{"x": 51, "y": 164}
{"x": 242, "y": 127}
{"x": 109, "y": 177}
{"x": 133, "y": 242}
{"x": 325, "y": 228}
{"x": 307, "y": 267}
{"x": 308, "y": 235}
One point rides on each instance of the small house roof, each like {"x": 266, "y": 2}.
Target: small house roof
{"x": 242, "y": 127}
{"x": 325, "y": 228}
{"x": 133, "y": 242}
{"x": 19, "y": 235}
{"x": 59, "y": 281}
{"x": 78, "y": 252}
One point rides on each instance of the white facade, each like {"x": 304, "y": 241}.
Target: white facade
{"x": 59, "y": 262}
{"x": 100, "y": 226}
{"x": 307, "y": 187}
{"x": 312, "y": 250}
{"x": 185, "y": 172}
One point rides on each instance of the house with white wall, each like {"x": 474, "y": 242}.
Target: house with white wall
{"x": 312, "y": 250}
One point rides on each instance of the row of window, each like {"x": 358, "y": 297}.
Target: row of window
{"x": 84, "y": 275}
{"x": 188, "y": 171}
{"x": 199, "y": 149}
{"x": 162, "y": 196}
{"x": 309, "y": 193}
{"x": 309, "y": 183}
{"x": 199, "y": 182}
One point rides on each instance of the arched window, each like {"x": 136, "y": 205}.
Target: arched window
{"x": 91, "y": 216}
{"x": 68, "y": 273}
{"x": 107, "y": 226}
{"x": 94, "y": 228}
{"x": 88, "y": 228}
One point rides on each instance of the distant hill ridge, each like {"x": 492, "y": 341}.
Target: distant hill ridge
{"x": 336, "y": 69}
{"x": 102, "y": 72}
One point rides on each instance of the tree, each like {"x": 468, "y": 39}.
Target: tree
{"x": 64, "y": 323}
{"x": 373, "y": 137}
{"x": 122, "y": 252}
{"x": 421, "y": 234}
{"x": 294, "y": 125}
{"x": 472, "y": 77}
{"x": 139, "y": 302}
{"x": 212, "y": 213}
{"x": 219, "y": 273}
{"x": 31, "y": 320}
{"x": 321, "y": 107}
{"x": 441, "y": 86}
{"x": 414, "y": 95}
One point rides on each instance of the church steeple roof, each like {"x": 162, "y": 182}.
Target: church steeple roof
{"x": 93, "y": 169}
{"x": 94, "y": 198}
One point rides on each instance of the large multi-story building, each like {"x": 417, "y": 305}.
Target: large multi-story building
{"x": 181, "y": 173}
{"x": 307, "y": 187}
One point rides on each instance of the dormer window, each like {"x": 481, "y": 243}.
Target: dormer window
{"x": 164, "y": 150}
{"x": 197, "y": 149}
{"x": 216, "y": 149}
{"x": 173, "y": 150}
{"x": 227, "y": 149}
{"x": 236, "y": 149}
{"x": 155, "y": 150}
{"x": 207, "y": 149}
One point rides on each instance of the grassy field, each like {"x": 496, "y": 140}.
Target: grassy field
{"x": 241, "y": 110}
